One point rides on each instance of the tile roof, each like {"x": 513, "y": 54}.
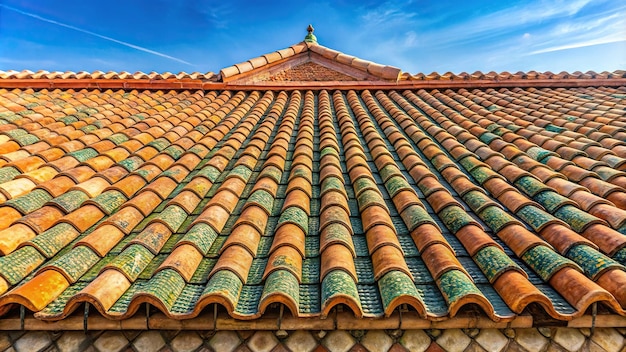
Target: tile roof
{"x": 439, "y": 202}
{"x": 382, "y": 72}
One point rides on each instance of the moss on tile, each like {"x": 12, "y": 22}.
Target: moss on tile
{"x": 546, "y": 262}
{"x": 76, "y": 262}
{"x": 492, "y": 261}
{"x": 18, "y": 264}
{"x": 394, "y": 285}
{"x": 592, "y": 261}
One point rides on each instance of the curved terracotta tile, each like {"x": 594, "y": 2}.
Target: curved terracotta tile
{"x": 244, "y": 235}
{"x": 37, "y": 293}
{"x": 102, "y": 240}
{"x": 381, "y": 235}
{"x": 519, "y": 239}
{"x": 184, "y": 259}
{"x": 289, "y": 235}
{"x": 581, "y": 292}
{"x": 102, "y": 292}
{"x": 285, "y": 258}
{"x": 388, "y": 258}
{"x": 337, "y": 257}
{"x": 298, "y": 198}
{"x": 235, "y": 259}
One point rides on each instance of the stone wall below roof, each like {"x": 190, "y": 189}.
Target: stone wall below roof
{"x": 458, "y": 340}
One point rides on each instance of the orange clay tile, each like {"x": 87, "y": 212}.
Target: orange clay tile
{"x": 285, "y": 258}
{"x": 102, "y": 239}
{"x": 184, "y": 259}
{"x": 13, "y": 236}
{"x": 337, "y": 257}
{"x": 235, "y": 259}
{"x": 244, "y": 235}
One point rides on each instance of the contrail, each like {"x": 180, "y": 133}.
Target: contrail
{"x": 96, "y": 35}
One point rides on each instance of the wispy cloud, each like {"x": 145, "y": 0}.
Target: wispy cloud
{"x": 129, "y": 45}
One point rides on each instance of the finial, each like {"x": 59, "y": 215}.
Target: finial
{"x": 310, "y": 38}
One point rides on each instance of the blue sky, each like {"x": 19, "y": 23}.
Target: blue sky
{"x": 417, "y": 36}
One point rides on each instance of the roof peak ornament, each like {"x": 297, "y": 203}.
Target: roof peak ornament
{"x": 310, "y": 38}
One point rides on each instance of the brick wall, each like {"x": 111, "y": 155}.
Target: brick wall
{"x": 310, "y": 71}
{"x": 461, "y": 340}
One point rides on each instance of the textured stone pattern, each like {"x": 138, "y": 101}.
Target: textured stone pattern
{"x": 310, "y": 71}
{"x": 449, "y": 340}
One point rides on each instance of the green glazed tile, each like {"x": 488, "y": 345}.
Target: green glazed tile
{"x": 18, "y": 264}
{"x": 202, "y": 236}
{"x": 311, "y": 271}
{"x": 455, "y": 217}
{"x": 493, "y": 262}
{"x": 539, "y": 154}
{"x": 257, "y": 268}
{"x": 26, "y": 139}
{"x": 15, "y": 132}
{"x": 576, "y": 218}
{"x": 68, "y": 119}
{"x": 202, "y": 129}
{"x": 296, "y": 216}
{"x": 241, "y": 171}
{"x": 301, "y": 171}
{"x": 329, "y": 151}
{"x": 476, "y": 199}
{"x": 109, "y": 201}
{"x": 591, "y": 261}
{"x": 310, "y": 299}
{"x": 118, "y": 138}
{"x": 166, "y": 285}
{"x": 131, "y": 164}
{"x": 311, "y": 246}
{"x": 388, "y": 171}
{"x": 371, "y": 303}
{"x": 607, "y": 173}
{"x": 545, "y": 262}
{"x": 200, "y": 276}
{"x": 336, "y": 232}
{"x": 175, "y": 174}
{"x": 219, "y": 243}
{"x": 173, "y": 216}
{"x": 151, "y": 268}
{"x": 370, "y": 197}
{"x": 226, "y": 283}
{"x": 551, "y": 200}
{"x": 441, "y": 163}
{"x": 531, "y": 186}
{"x": 414, "y": 216}
{"x": 535, "y": 217}
{"x": 496, "y": 218}
{"x": 620, "y": 256}
{"x": 553, "y": 128}
{"x": 395, "y": 284}
{"x": 396, "y": 184}
{"x": 159, "y": 144}
{"x": 339, "y": 283}
{"x": 210, "y": 173}
{"x": 168, "y": 247}
{"x": 483, "y": 173}
{"x": 30, "y": 201}
{"x": 362, "y": 184}
{"x": 76, "y": 262}
{"x": 7, "y": 173}
{"x": 199, "y": 150}
{"x": 248, "y": 303}
{"x": 488, "y": 137}
{"x": 272, "y": 172}
{"x": 54, "y": 239}
{"x": 332, "y": 183}
{"x": 455, "y": 285}
{"x": 282, "y": 282}
{"x": 84, "y": 154}
{"x": 132, "y": 261}
{"x": 174, "y": 151}
{"x": 263, "y": 199}
{"x": 613, "y": 160}
{"x": 419, "y": 270}
{"x": 70, "y": 201}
